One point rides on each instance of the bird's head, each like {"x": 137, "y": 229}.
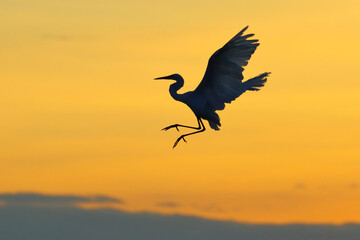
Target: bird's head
{"x": 176, "y": 77}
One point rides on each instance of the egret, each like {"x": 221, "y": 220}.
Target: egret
{"x": 222, "y": 83}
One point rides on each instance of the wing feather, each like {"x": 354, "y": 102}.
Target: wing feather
{"x": 223, "y": 77}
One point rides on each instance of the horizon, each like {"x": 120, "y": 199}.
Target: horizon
{"x": 59, "y": 216}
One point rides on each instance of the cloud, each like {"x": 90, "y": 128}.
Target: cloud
{"x": 211, "y": 207}
{"x": 167, "y": 204}
{"x": 41, "y": 200}
{"x": 66, "y": 37}
{"x": 74, "y": 223}
{"x": 56, "y": 37}
{"x": 354, "y": 186}
{"x": 300, "y": 186}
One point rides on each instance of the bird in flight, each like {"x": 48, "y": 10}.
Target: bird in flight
{"x": 222, "y": 83}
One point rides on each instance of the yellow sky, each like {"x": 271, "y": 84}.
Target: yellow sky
{"x": 82, "y": 115}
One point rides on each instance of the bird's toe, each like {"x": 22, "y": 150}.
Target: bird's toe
{"x": 176, "y": 142}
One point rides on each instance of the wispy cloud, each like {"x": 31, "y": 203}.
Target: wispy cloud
{"x": 57, "y": 37}
{"x": 354, "y": 186}
{"x": 299, "y": 186}
{"x": 211, "y": 207}
{"x": 41, "y": 200}
{"x": 167, "y": 204}
{"x": 67, "y": 37}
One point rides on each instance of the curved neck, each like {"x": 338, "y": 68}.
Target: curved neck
{"x": 175, "y": 87}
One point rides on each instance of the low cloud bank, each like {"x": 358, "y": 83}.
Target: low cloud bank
{"x": 20, "y": 219}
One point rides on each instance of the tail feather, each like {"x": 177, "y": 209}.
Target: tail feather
{"x": 214, "y": 120}
{"x": 214, "y": 125}
{"x": 254, "y": 84}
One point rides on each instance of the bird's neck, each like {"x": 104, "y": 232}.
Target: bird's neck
{"x": 174, "y": 88}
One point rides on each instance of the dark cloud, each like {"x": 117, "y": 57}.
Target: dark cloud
{"x": 73, "y": 223}
{"x": 34, "y": 199}
{"x": 167, "y": 204}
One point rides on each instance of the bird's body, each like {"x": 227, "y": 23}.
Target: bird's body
{"x": 222, "y": 83}
{"x": 197, "y": 103}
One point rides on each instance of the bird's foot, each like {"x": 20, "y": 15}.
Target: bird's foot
{"x": 178, "y": 140}
{"x": 171, "y": 126}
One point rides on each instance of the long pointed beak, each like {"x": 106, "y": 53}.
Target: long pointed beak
{"x": 166, "y": 77}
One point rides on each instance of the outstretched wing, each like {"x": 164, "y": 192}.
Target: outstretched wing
{"x": 222, "y": 80}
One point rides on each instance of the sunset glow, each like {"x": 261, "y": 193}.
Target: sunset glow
{"x": 82, "y": 115}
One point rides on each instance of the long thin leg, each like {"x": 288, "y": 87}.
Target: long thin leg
{"x": 179, "y": 125}
{"x": 202, "y": 129}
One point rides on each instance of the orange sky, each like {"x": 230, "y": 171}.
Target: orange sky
{"x": 82, "y": 115}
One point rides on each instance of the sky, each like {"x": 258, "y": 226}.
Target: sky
{"x": 82, "y": 115}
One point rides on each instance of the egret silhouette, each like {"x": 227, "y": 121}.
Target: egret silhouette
{"x": 222, "y": 83}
